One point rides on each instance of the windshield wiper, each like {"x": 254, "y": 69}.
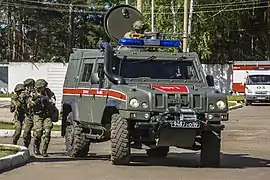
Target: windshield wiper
{"x": 150, "y": 58}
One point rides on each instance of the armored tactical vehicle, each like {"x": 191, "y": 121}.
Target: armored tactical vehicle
{"x": 140, "y": 98}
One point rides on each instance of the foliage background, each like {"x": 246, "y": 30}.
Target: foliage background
{"x": 222, "y": 30}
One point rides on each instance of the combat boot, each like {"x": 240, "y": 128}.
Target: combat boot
{"x": 44, "y": 150}
{"x": 36, "y": 147}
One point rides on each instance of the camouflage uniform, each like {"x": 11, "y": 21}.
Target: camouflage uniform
{"x": 138, "y": 32}
{"x": 29, "y": 84}
{"x": 18, "y": 107}
{"x": 43, "y": 107}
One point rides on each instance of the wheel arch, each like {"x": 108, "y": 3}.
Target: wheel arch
{"x": 68, "y": 107}
{"x": 107, "y": 114}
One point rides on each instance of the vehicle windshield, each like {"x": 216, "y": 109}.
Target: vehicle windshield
{"x": 258, "y": 79}
{"x": 157, "y": 69}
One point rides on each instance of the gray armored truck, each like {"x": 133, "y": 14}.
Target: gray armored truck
{"x": 136, "y": 96}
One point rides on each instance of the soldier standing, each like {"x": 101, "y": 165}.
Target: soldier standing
{"x": 43, "y": 105}
{"x": 29, "y": 84}
{"x": 138, "y": 32}
{"x": 18, "y": 107}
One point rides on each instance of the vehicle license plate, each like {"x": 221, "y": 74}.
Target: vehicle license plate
{"x": 185, "y": 124}
{"x": 260, "y": 98}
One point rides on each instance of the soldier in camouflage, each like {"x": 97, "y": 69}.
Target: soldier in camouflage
{"x": 43, "y": 104}
{"x": 138, "y": 32}
{"x": 18, "y": 107}
{"x": 29, "y": 84}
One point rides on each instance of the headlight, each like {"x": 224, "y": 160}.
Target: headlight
{"x": 221, "y": 105}
{"x": 134, "y": 103}
{"x": 211, "y": 106}
{"x": 144, "y": 105}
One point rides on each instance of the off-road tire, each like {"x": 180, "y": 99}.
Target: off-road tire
{"x": 77, "y": 145}
{"x": 210, "y": 149}
{"x": 158, "y": 151}
{"x": 120, "y": 145}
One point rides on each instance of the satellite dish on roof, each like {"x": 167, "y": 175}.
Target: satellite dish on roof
{"x": 119, "y": 20}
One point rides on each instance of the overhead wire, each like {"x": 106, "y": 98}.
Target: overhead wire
{"x": 203, "y": 6}
{"x": 93, "y": 11}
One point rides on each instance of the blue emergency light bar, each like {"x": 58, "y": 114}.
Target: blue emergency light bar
{"x": 149, "y": 42}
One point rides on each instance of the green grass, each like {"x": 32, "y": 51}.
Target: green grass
{"x": 236, "y": 98}
{"x": 6, "y": 125}
{"x": 230, "y": 104}
{"x": 5, "y": 150}
{"x": 5, "y": 95}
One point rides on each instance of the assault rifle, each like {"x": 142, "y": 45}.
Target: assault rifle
{"x": 42, "y": 100}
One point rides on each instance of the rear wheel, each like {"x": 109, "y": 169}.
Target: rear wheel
{"x": 210, "y": 149}
{"x": 77, "y": 145}
{"x": 120, "y": 144}
{"x": 158, "y": 151}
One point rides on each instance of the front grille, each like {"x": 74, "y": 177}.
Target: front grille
{"x": 261, "y": 92}
{"x": 159, "y": 102}
{"x": 196, "y": 101}
{"x": 179, "y": 100}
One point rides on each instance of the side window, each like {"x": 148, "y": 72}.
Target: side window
{"x": 87, "y": 70}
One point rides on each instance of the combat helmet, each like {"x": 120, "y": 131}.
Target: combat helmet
{"x": 19, "y": 87}
{"x": 29, "y": 81}
{"x": 137, "y": 25}
{"x": 41, "y": 83}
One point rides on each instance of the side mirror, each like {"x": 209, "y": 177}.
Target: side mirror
{"x": 94, "y": 79}
{"x": 210, "y": 80}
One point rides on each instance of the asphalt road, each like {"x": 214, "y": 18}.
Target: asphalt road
{"x": 245, "y": 148}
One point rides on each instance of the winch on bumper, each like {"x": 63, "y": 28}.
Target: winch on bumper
{"x": 180, "y": 126}
{"x": 183, "y": 118}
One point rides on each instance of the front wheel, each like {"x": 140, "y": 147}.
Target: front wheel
{"x": 210, "y": 149}
{"x": 77, "y": 145}
{"x": 120, "y": 144}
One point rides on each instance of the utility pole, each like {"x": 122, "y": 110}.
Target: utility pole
{"x": 9, "y": 39}
{"x": 70, "y": 31}
{"x": 127, "y": 2}
{"x": 190, "y": 21}
{"x": 185, "y": 35}
{"x": 139, "y": 5}
{"x": 152, "y": 15}
{"x": 268, "y": 31}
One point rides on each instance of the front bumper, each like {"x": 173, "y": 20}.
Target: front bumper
{"x": 185, "y": 119}
{"x": 257, "y": 97}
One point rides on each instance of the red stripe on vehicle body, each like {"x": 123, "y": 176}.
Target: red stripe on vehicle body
{"x": 171, "y": 89}
{"x": 95, "y": 91}
{"x": 249, "y": 67}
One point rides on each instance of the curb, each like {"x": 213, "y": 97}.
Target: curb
{"x": 5, "y": 99}
{"x": 15, "y": 160}
{"x": 5, "y": 106}
{"x": 237, "y": 106}
{"x": 10, "y": 132}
